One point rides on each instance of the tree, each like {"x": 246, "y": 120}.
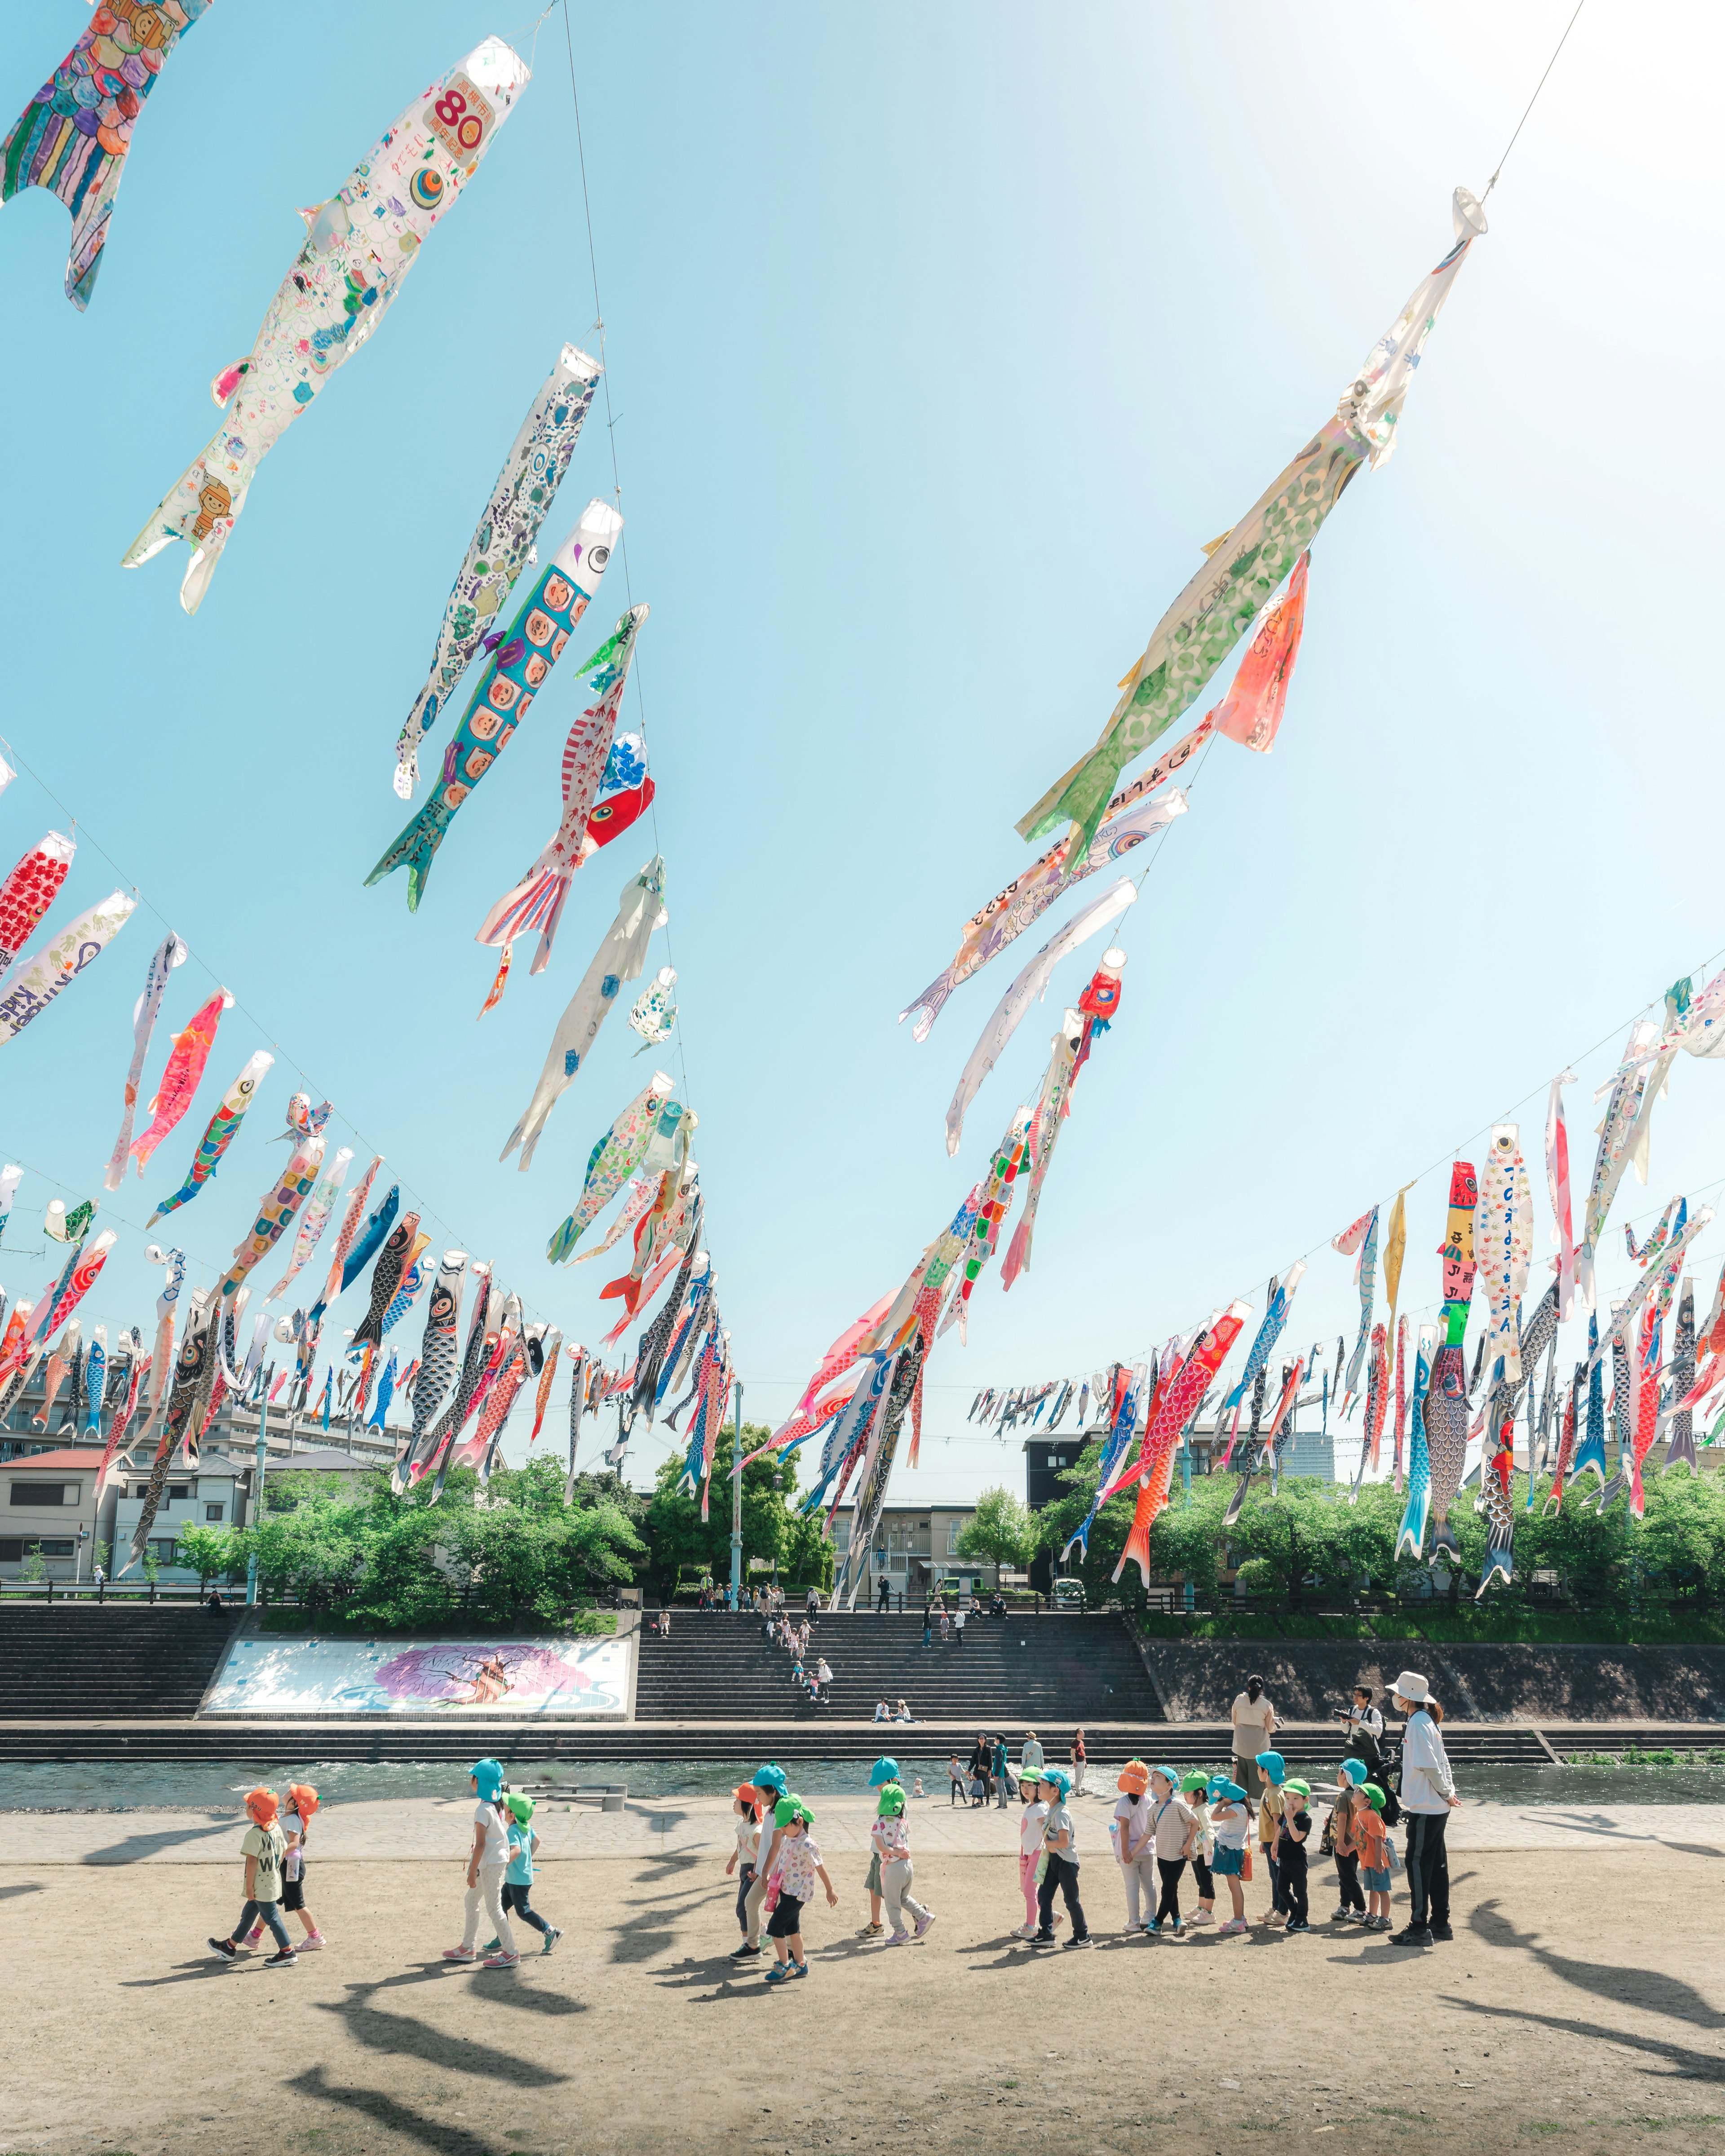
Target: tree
{"x": 209, "y": 1551}
{"x": 677, "y": 1536}
{"x": 1000, "y": 1532}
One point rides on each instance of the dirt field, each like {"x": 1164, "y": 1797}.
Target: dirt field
{"x": 1583, "y": 1997}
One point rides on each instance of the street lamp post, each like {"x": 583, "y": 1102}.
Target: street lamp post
{"x": 251, "y": 1562}
{"x": 737, "y": 1501}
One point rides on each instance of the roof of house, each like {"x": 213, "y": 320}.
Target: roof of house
{"x": 321, "y": 1459}
{"x": 85, "y": 1457}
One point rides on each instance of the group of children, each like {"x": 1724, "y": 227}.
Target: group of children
{"x": 274, "y": 1853}
{"x": 776, "y": 1882}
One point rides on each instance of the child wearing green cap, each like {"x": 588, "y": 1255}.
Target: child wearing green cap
{"x": 1196, "y": 1788}
{"x": 1372, "y": 1837}
{"x": 1291, "y": 1852}
{"x": 796, "y": 1867}
{"x": 518, "y": 1877}
{"x": 891, "y": 1840}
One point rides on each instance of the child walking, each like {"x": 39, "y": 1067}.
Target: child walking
{"x": 1059, "y": 1875}
{"x": 264, "y": 1848}
{"x": 486, "y": 1863}
{"x": 1230, "y": 1822}
{"x": 1132, "y": 1849}
{"x": 1291, "y": 1852}
{"x": 884, "y": 1772}
{"x": 1172, "y": 1828}
{"x": 518, "y": 1875}
{"x": 746, "y": 1805}
{"x": 768, "y": 1783}
{"x": 1372, "y": 1836}
{"x": 892, "y": 1844}
{"x": 796, "y": 1867}
{"x": 296, "y": 1819}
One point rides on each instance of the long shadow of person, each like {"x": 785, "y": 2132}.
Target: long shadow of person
{"x": 404, "y": 2036}
{"x": 449, "y": 2140}
{"x": 1650, "y": 1989}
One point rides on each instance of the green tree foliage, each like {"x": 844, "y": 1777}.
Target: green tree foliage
{"x": 678, "y": 1537}
{"x": 212, "y": 1553}
{"x": 1000, "y": 1532}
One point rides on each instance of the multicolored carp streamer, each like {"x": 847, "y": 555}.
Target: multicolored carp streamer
{"x": 1278, "y": 1303}
{"x": 219, "y": 1135}
{"x": 1251, "y": 711}
{"x": 1178, "y": 1400}
{"x": 536, "y": 467}
{"x": 653, "y": 1350}
{"x": 1623, "y": 1314}
{"x": 642, "y": 1191}
{"x": 532, "y": 644}
{"x": 171, "y": 953}
{"x": 546, "y": 1347}
{"x": 620, "y": 957}
{"x": 413, "y": 1279}
{"x": 1377, "y": 1406}
{"x": 984, "y": 1240}
{"x": 1028, "y": 989}
{"x": 175, "y": 1395}
{"x": 1623, "y": 1133}
{"x": 315, "y": 1220}
{"x": 1052, "y": 1104}
{"x": 393, "y": 1261}
{"x": 370, "y": 1238}
{"x": 1680, "y": 1444}
{"x": 438, "y": 1350}
{"x": 472, "y": 1366}
{"x": 359, "y": 247}
{"x": 1503, "y": 1244}
{"x": 1445, "y": 1419}
{"x": 1410, "y": 1535}
{"x": 33, "y": 986}
{"x": 537, "y": 901}
{"x": 1497, "y": 1494}
{"x": 73, "y": 135}
{"x": 614, "y": 1159}
{"x": 31, "y": 888}
{"x": 1643, "y": 1253}
{"x": 1027, "y": 898}
{"x": 1362, "y": 1237}
{"x": 654, "y": 1014}
{"x": 276, "y": 1210}
{"x": 1556, "y": 1183}
{"x": 877, "y": 1468}
{"x": 1214, "y": 612}
{"x": 344, "y": 1239}
{"x": 849, "y": 1430}
{"x": 188, "y": 1054}
{"x": 1128, "y": 1399}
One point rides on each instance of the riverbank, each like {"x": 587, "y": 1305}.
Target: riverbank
{"x": 1583, "y": 1996}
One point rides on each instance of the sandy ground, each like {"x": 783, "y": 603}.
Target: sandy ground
{"x": 1583, "y": 1997}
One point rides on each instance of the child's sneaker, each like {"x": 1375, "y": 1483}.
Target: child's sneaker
{"x": 460, "y": 1953}
{"x": 1342, "y": 1914}
{"x": 742, "y": 1952}
{"x": 779, "y": 1973}
{"x": 799, "y": 1968}
{"x": 1292, "y": 1928}
{"x": 500, "y": 1961}
{"x": 1067, "y": 1945}
{"x": 1233, "y": 1924}
{"x": 492, "y": 1946}
{"x": 923, "y": 1923}
{"x": 898, "y": 1939}
{"x": 1202, "y": 1916}
{"x": 226, "y": 1949}
{"x": 283, "y": 1958}
{"x": 1178, "y": 1928}
{"x": 311, "y": 1941}
{"x": 1025, "y": 1931}
{"x": 1045, "y": 1939}
{"x": 551, "y": 1939}
{"x": 871, "y": 1932}
{"x": 1150, "y": 1927}
{"x": 253, "y": 1935}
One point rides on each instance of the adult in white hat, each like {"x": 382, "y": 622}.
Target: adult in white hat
{"x": 1428, "y": 1797}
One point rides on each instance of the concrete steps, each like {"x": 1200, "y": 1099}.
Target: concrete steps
{"x": 66, "y": 1662}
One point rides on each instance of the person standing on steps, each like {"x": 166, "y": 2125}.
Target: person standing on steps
{"x": 1428, "y": 1797}
{"x": 1256, "y": 1722}
{"x": 958, "y": 1624}
{"x": 1365, "y": 1726}
{"x": 883, "y": 1597}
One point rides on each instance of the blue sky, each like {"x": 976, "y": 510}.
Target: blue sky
{"x": 938, "y": 341}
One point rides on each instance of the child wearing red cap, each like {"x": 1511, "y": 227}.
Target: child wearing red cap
{"x": 264, "y": 1848}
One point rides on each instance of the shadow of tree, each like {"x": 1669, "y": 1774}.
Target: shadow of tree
{"x": 404, "y": 2036}
{"x": 135, "y": 1847}
{"x": 1685, "y": 2064}
{"x": 448, "y": 2139}
{"x": 1651, "y": 1989}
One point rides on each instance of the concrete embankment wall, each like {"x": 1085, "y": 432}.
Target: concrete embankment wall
{"x": 1310, "y": 1680}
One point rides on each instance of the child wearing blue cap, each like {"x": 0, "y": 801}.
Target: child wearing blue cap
{"x": 1345, "y": 1842}
{"x": 885, "y": 1771}
{"x": 1270, "y": 1766}
{"x": 770, "y": 1782}
{"x": 1060, "y": 1844}
{"x": 486, "y": 1864}
{"x": 1230, "y": 1822}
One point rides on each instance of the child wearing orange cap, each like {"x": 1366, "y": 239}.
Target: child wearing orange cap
{"x": 1133, "y": 1847}
{"x": 302, "y": 1801}
{"x": 264, "y": 1848}
{"x": 748, "y": 1803}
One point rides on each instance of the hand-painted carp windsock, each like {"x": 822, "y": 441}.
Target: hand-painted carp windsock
{"x": 11, "y": 1175}
{"x": 472, "y": 1367}
{"x": 1410, "y": 1535}
{"x": 1377, "y": 1404}
{"x": 177, "y": 1388}
{"x": 1395, "y": 1245}
{"x": 344, "y": 1239}
{"x": 537, "y": 901}
{"x": 877, "y": 1472}
{"x": 850, "y": 1429}
{"x": 30, "y": 889}
{"x": 1242, "y": 572}
{"x": 1028, "y": 897}
{"x": 1053, "y": 1104}
{"x": 651, "y": 1354}
{"x": 619, "y": 958}
{"x": 276, "y": 1208}
{"x": 129, "y": 1368}
{"x": 1497, "y": 1496}
{"x": 73, "y": 135}
{"x": 1624, "y": 1132}
{"x": 1503, "y": 1247}
{"x": 532, "y": 472}
{"x": 219, "y": 1135}
{"x": 314, "y": 1220}
{"x": 34, "y": 985}
{"x": 1680, "y": 1444}
{"x": 1276, "y": 1316}
{"x": 1251, "y": 711}
{"x": 1445, "y": 1419}
{"x": 1557, "y": 1180}
{"x": 1278, "y": 1434}
{"x": 438, "y": 1349}
{"x": 614, "y": 1159}
{"x": 188, "y": 1052}
{"x": 1128, "y": 1399}
{"x": 1362, "y": 1237}
{"x": 170, "y": 953}
{"x": 1028, "y": 989}
{"x": 550, "y": 1346}
{"x": 391, "y": 1264}
{"x": 1624, "y": 1314}
{"x": 1178, "y": 1400}
{"x": 370, "y": 1237}
{"x": 531, "y": 645}
{"x": 359, "y": 247}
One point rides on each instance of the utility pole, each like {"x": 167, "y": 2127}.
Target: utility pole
{"x": 737, "y": 1501}
{"x": 251, "y": 1562}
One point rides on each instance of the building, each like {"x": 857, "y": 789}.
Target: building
{"x": 915, "y": 1549}
{"x": 48, "y": 1507}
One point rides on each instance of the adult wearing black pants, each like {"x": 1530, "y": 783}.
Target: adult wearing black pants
{"x": 1061, "y": 1875}
{"x": 1428, "y": 1797}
